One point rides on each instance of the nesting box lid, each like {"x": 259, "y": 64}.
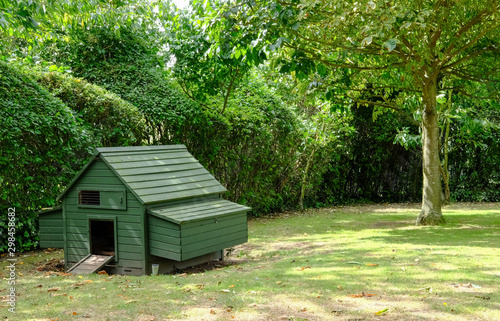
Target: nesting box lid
{"x": 156, "y": 173}
{"x": 196, "y": 211}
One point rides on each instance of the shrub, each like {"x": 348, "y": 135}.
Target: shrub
{"x": 42, "y": 144}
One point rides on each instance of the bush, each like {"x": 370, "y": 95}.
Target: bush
{"x": 115, "y": 122}
{"x": 42, "y": 144}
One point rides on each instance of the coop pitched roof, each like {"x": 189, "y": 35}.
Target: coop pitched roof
{"x": 157, "y": 173}
{"x": 195, "y": 211}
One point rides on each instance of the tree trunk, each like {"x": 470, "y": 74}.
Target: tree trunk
{"x": 310, "y": 160}
{"x": 431, "y": 195}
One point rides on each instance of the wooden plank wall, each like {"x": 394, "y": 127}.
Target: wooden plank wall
{"x": 164, "y": 238}
{"x": 51, "y": 230}
{"x": 210, "y": 235}
{"x": 129, "y": 229}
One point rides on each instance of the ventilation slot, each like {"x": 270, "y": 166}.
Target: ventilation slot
{"x": 90, "y": 198}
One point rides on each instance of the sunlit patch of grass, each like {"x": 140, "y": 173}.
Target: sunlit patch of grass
{"x": 316, "y": 265}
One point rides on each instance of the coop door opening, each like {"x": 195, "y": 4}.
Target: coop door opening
{"x": 102, "y": 236}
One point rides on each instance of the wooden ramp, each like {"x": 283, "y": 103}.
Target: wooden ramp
{"x": 91, "y": 264}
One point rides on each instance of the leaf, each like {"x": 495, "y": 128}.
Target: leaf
{"x": 53, "y": 289}
{"x": 381, "y": 312}
{"x": 353, "y": 262}
{"x": 362, "y": 294}
{"x": 372, "y": 264}
{"x": 390, "y": 44}
{"x": 367, "y": 41}
{"x": 53, "y": 68}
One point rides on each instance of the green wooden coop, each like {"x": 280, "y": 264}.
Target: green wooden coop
{"x": 131, "y": 207}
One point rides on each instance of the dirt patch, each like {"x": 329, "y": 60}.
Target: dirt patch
{"x": 53, "y": 265}
{"x": 201, "y": 268}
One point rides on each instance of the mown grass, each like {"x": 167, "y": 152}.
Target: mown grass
{"x": 302, "y": 266}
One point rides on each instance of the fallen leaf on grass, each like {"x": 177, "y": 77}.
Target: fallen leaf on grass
{"x": 303, "y": 310}
{"x": 426, "y": 289}
{"x": 103, "y": 272}
{"x": 231, "y": 286}
{"x": 226, "y": 291}
{"x": 60, "y": 294}
{"x": 353, "y": 262}
{"x": 303, "y": 268}
{"x": 53, "y": 289}
{"x": 212, "y": 311}
{"x": 372, "y": 264}
{"x": 381, "y": 312}
{"x": 362, "y": 294}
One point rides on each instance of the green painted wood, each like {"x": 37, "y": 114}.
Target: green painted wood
{"x": 142, "y": 157}
{"x": 50, "y": 221}
{"x": 212, "y": 238}
{"x": 215, "y": 209}
{"x": 188, "y": 206}
{"x": 139, "y": 148}
{"x": 158, "y": 222}
{"x": 165, "y": 238}
{"x": 195, "y": 200}
{"x": 154, "y": 163}
{"x": 222, "y": 224}
{"x": 78, "y": 237}
{"x": 132, "y": 205}
{"x": 76, "y": 221}
{"x": 130, "y": 256}
{"x": 75, "y": 179}
{"x": 165, "y": 254}
{"x": 164, "y": 231}
{"x": 63, "y": 206}
{"x": 75, "y": 229}
{"x": 130, "y": 248}
{"x": 158, "y": 169}
{"x": 130, "y": 263}
{"x": 217, "y": 247}
{"x": 165, "y": 246}
{"x": 164, "y": 176}
{"x": 51, "y": 244}
{"x": 77, "y": 251}
{"x": 214, "y": 213}
{"x": 176, "y": 188}
{"x": 171, "y": 182}
{"x": 129, "y": 232}
{"x": 51, "y": 228}
{"x": 51, "y": 236}
{"x": 155, "y": 198}
{"x": 130, "y": 241}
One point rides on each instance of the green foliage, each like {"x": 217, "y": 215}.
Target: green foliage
{"x": 371, "y": 167}
{"x": 42, "y": 144}
{"x": 114, "y": 122}
{"x": 257, "y": 156}
{"x": 250, "y": 149}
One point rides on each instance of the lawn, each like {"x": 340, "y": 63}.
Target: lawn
{"x": 342, "y": 263}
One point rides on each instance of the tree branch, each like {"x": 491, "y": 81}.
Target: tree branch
{"x": 389, "y": 106}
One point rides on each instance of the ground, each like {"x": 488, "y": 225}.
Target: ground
{"x": 344, "y": 263}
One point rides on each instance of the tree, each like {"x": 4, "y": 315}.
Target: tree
{"x": 202, "y": 71}
{"x": 398, "y": 51}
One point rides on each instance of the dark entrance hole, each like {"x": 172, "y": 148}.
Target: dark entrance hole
{"x": 102, "y": 237}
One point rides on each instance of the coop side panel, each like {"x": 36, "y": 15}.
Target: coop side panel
{"x": 164, "y": 238}
{"x": 51, "y": 230}
{"x": 128, "y": 222}
{"x": 213, "y": 234}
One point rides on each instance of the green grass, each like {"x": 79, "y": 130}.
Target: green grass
{"x": 299, "y": 266}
